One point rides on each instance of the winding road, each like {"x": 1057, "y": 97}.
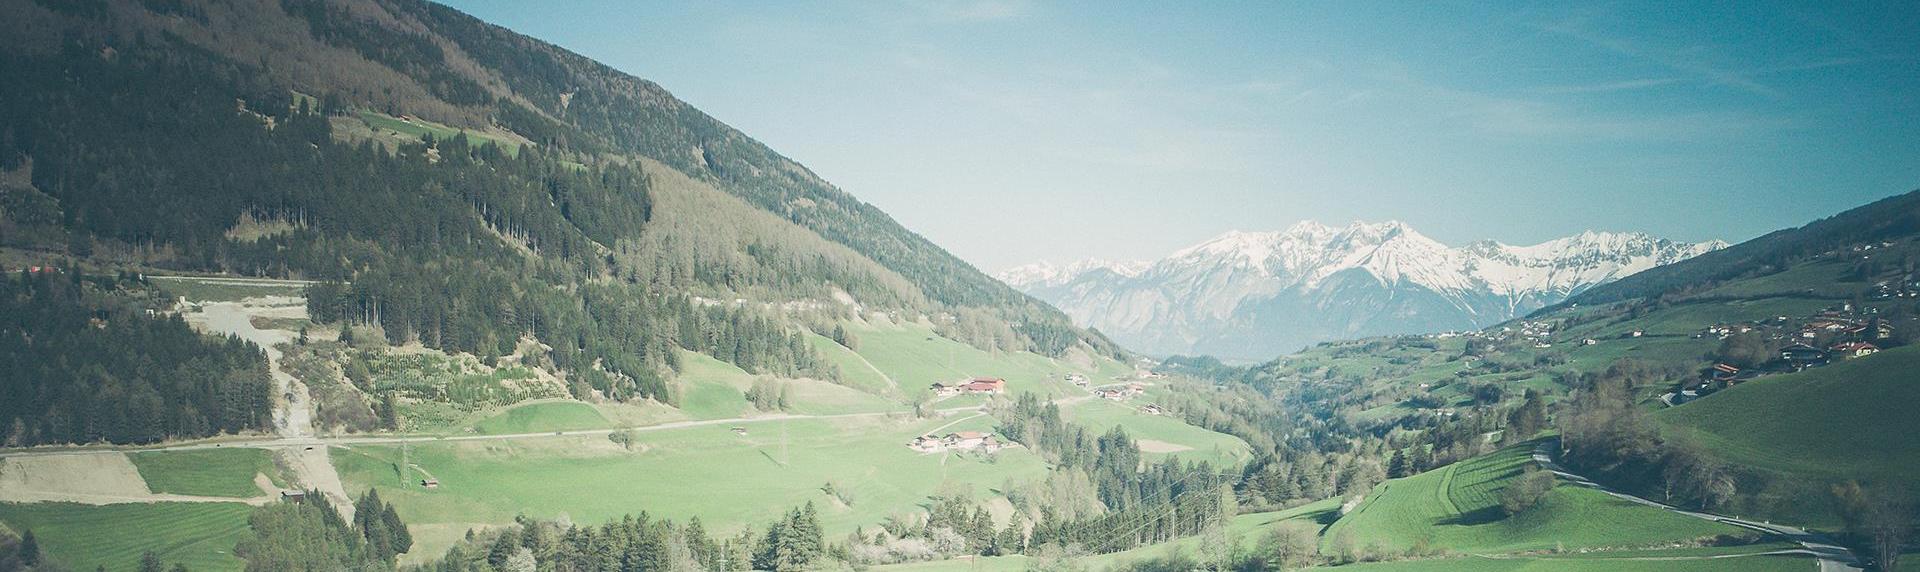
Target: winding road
{"x": 1829, "y": 555}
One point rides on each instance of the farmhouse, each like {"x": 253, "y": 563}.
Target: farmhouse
{"x": 430, "y": 483}
{"x": 1119, "y": 393}
{"x": 966, "y": 439}
{"x": 927, "y": 444}
{"x": 1152, "y": 409}
{"x": 945, "y": 390}
{"x": 984, "y": 385}
{"x": 1723, "y": 372}
{"x": 1803, "y": 355}
{"x": 1854, "y": 350}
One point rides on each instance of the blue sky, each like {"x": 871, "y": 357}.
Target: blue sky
{"x": 1012, "y": 131}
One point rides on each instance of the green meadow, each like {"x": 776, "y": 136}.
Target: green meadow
{"x": 1457, "y": 509}
{"x": 1566, "y": 564}
{"x": 1852, "y": 418}
{"x": 915, "y": 357}
{"x": 543, "y": 417}
{"x": 1162, "y": 435}
{"x": 226, "y": 472}
{"x": 742, "y": 479}
{"x": 416, "y": 127}
{"x": 83, "y": 537}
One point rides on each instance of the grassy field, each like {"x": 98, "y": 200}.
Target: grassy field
{"x": 748, "y": 479}
{"x": 1456, "y": 508}
{"x": 915, "y": 357}
{"x": 206, "y": 472}
{"x": 1245, "y": 529}
{"x": 857, "y": 373}
{"x": 1805, "y": 431}
{"x": 1563, "y": 564}
{"x": 82, "y": 537}
{"x": 416, "y": 127}
{"x": 541, "y": 417}
{"x": 712, "y": 389}
{"x": 1851, "y": 419}
{"x": 1099, "y": 415}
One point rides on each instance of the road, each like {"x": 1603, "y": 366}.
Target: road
{"x": 1829, "y": 555}
{"x": 323, "y": 442}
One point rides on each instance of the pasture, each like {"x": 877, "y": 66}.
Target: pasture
{"x": 83, "y": 537}
{"x": 1456, "y": 509}
{"x": 743, "y": 479}
{"x": 915, "y": 357}
{"x": 224, "y": 472}
{"x": 1578, "y": 564}
{"x": 1850, "y": 419}
{"x": 1161, "y": 435}
{"x": 543, "y": 417}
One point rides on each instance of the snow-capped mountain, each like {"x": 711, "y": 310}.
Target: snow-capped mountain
{"x": 1254, "y": 295}
{"x": 1046, "y": 274}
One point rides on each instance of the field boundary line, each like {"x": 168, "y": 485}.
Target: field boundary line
{"x": 1446, "y": 489}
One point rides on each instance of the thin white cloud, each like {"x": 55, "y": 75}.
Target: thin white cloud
{"x": 1690, "y": 62}
{"x": 1607, "y": 87}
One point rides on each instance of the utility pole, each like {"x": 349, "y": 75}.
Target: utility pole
{"x": 406, "y": 464}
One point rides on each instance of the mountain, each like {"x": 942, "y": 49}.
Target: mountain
{"x": 1253, "y": 295}
{"x": 453, "y": 183}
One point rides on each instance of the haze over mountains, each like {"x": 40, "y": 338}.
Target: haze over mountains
{"x": 1253, "y": 295}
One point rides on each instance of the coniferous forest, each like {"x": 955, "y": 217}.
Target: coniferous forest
{"x": 86, "y": 363}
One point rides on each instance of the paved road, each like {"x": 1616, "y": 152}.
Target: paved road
{"x": 323, "y": 442}
{"x": 1829, "y": 555}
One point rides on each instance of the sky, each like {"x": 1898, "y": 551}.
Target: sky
{"x": 1010, "y": 131}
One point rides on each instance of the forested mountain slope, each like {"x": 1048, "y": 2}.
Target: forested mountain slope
{"x": 455, "y": 184}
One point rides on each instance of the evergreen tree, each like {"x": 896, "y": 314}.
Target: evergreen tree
{"x": 29, "y": 549}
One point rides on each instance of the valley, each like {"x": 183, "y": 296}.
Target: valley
{"x": 380, "y": 285}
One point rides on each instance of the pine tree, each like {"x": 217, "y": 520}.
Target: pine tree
{"x": 150, "y": 562}
{"x": 29, "y": 549}
{"x": 1012, "y": 540}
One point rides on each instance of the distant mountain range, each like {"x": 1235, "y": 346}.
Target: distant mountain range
{"x": 1254, "y": 295}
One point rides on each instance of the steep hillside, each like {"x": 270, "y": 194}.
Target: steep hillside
{"x": 454, "y": 184}
{"x": 1252, "y": 295}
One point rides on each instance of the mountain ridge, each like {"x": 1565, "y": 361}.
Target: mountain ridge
{"x": 1253, "y": 283}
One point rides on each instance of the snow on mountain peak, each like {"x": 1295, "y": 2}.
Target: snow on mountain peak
{"x": 1352, "y": 279}
{"x": 1047, "y": 274}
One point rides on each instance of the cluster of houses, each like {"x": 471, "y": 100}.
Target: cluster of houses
{"x": 1536, "y": 331}
{"x": 1838, "y": 333}
{"x": 958, "y": 441}
{"x": 1121, "y": 392}
{"x": 979, "y": 385}
{"x": 1908, "y": 287}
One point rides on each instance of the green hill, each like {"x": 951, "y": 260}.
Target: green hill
{"x": 1456, "y": 509}
{"x": 1853, "y": 419}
